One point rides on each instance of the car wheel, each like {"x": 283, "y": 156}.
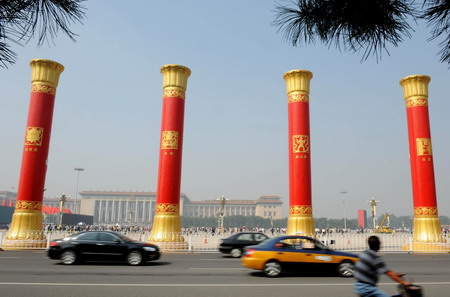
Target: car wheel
{"x": 236, "y": 253}
{"x": 272, "y": 269}
{"x": 68, "y": 257}
{"x": 346, "y": 269}
{"x": 134, "y": 258}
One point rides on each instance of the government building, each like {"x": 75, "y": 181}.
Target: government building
{"x": 109, "y": 207}
{"x": 138, "y": 208}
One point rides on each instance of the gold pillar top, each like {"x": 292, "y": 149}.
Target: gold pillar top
{"x": 45, "y": 72}
{"x": 175, "y": 76}
{"x": 297, "y": 81}
{"x": 415, "y": 85}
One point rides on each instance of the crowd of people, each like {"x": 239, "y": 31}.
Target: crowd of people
{"x": 203, "y": 230}
{"x": 143, "y": 229}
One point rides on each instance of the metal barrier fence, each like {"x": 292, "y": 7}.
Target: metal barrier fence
{"x": 207, "y": 242}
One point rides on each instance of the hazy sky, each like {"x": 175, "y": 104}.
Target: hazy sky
{"x": 107, "y": 115}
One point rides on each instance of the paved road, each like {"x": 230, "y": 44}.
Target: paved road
{"x": 28, "y": 273}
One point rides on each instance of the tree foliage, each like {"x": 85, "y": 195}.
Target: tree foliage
{"x": 366, "y": 26}
{"x": 21, "y": 20}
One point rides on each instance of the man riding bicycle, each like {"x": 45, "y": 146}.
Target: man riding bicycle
{"x": 368, "y": 269}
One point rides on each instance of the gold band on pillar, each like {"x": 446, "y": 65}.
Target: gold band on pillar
{"x": 300, "y": 218}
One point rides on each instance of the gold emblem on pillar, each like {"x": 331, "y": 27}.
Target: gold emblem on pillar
{"x": 33, "y": 136}
{"x": 300, "y": 144}
{"x": 169, "y": 140}
{"x": 424, "y": 147}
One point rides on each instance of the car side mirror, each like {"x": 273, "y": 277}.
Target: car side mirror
{"x": 117, "y": 240}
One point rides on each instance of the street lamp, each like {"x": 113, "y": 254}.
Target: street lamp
{"x": 222, "y": 201}
{"x": 62, "y": 202}
{"x": 76, "y": 194}
{"x": 130, "y": 215}
{"x": 345, "y": 215}
{"x": 373, "y": 204}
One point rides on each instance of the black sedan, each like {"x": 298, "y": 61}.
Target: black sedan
{"x": 101, "y": 246}
{"x": 235, "y": 244}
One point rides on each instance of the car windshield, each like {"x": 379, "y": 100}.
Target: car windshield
{"x": 271, "y": 241}
{"x": 320, "y": 245}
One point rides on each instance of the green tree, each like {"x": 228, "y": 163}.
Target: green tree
{"x": 366, "y": 26}
{"x": 21, "y": 20}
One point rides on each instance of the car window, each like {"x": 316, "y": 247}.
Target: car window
{"x": 308, "y": 244}
{"x": 291, "y": 244}
{"x": 298, "y": 244}
{"x": 123, "y": 237}
{"x": 245, "y": 237}
{"x": 106, "y": 237}
{"x": 260, "y": 237}
{"x": 88, "y": 236}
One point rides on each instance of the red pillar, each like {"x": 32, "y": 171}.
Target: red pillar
{"x": 26, "y": 225}
{"x": 300, "y": 207}
{"x": 426, "y": 224}
{"x": 166, "y": 223}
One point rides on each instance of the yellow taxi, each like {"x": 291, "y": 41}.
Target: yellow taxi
{"x": 297, "y": 254}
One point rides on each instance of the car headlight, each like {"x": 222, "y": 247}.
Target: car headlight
{"x": 149, "y": 249}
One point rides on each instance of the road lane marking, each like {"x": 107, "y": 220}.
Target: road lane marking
{"x": 218, "y": 269}
{"x": 235, "y": 260}
{"x": 202, "y": 285}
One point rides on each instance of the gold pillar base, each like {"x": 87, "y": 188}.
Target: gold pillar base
{"x": 25, "y": 231}
{"x": 300, "y": 224}
{"x": 427, "y": 228}
{"x": 427, "y": 247}
{"x": 166, "y": 228}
